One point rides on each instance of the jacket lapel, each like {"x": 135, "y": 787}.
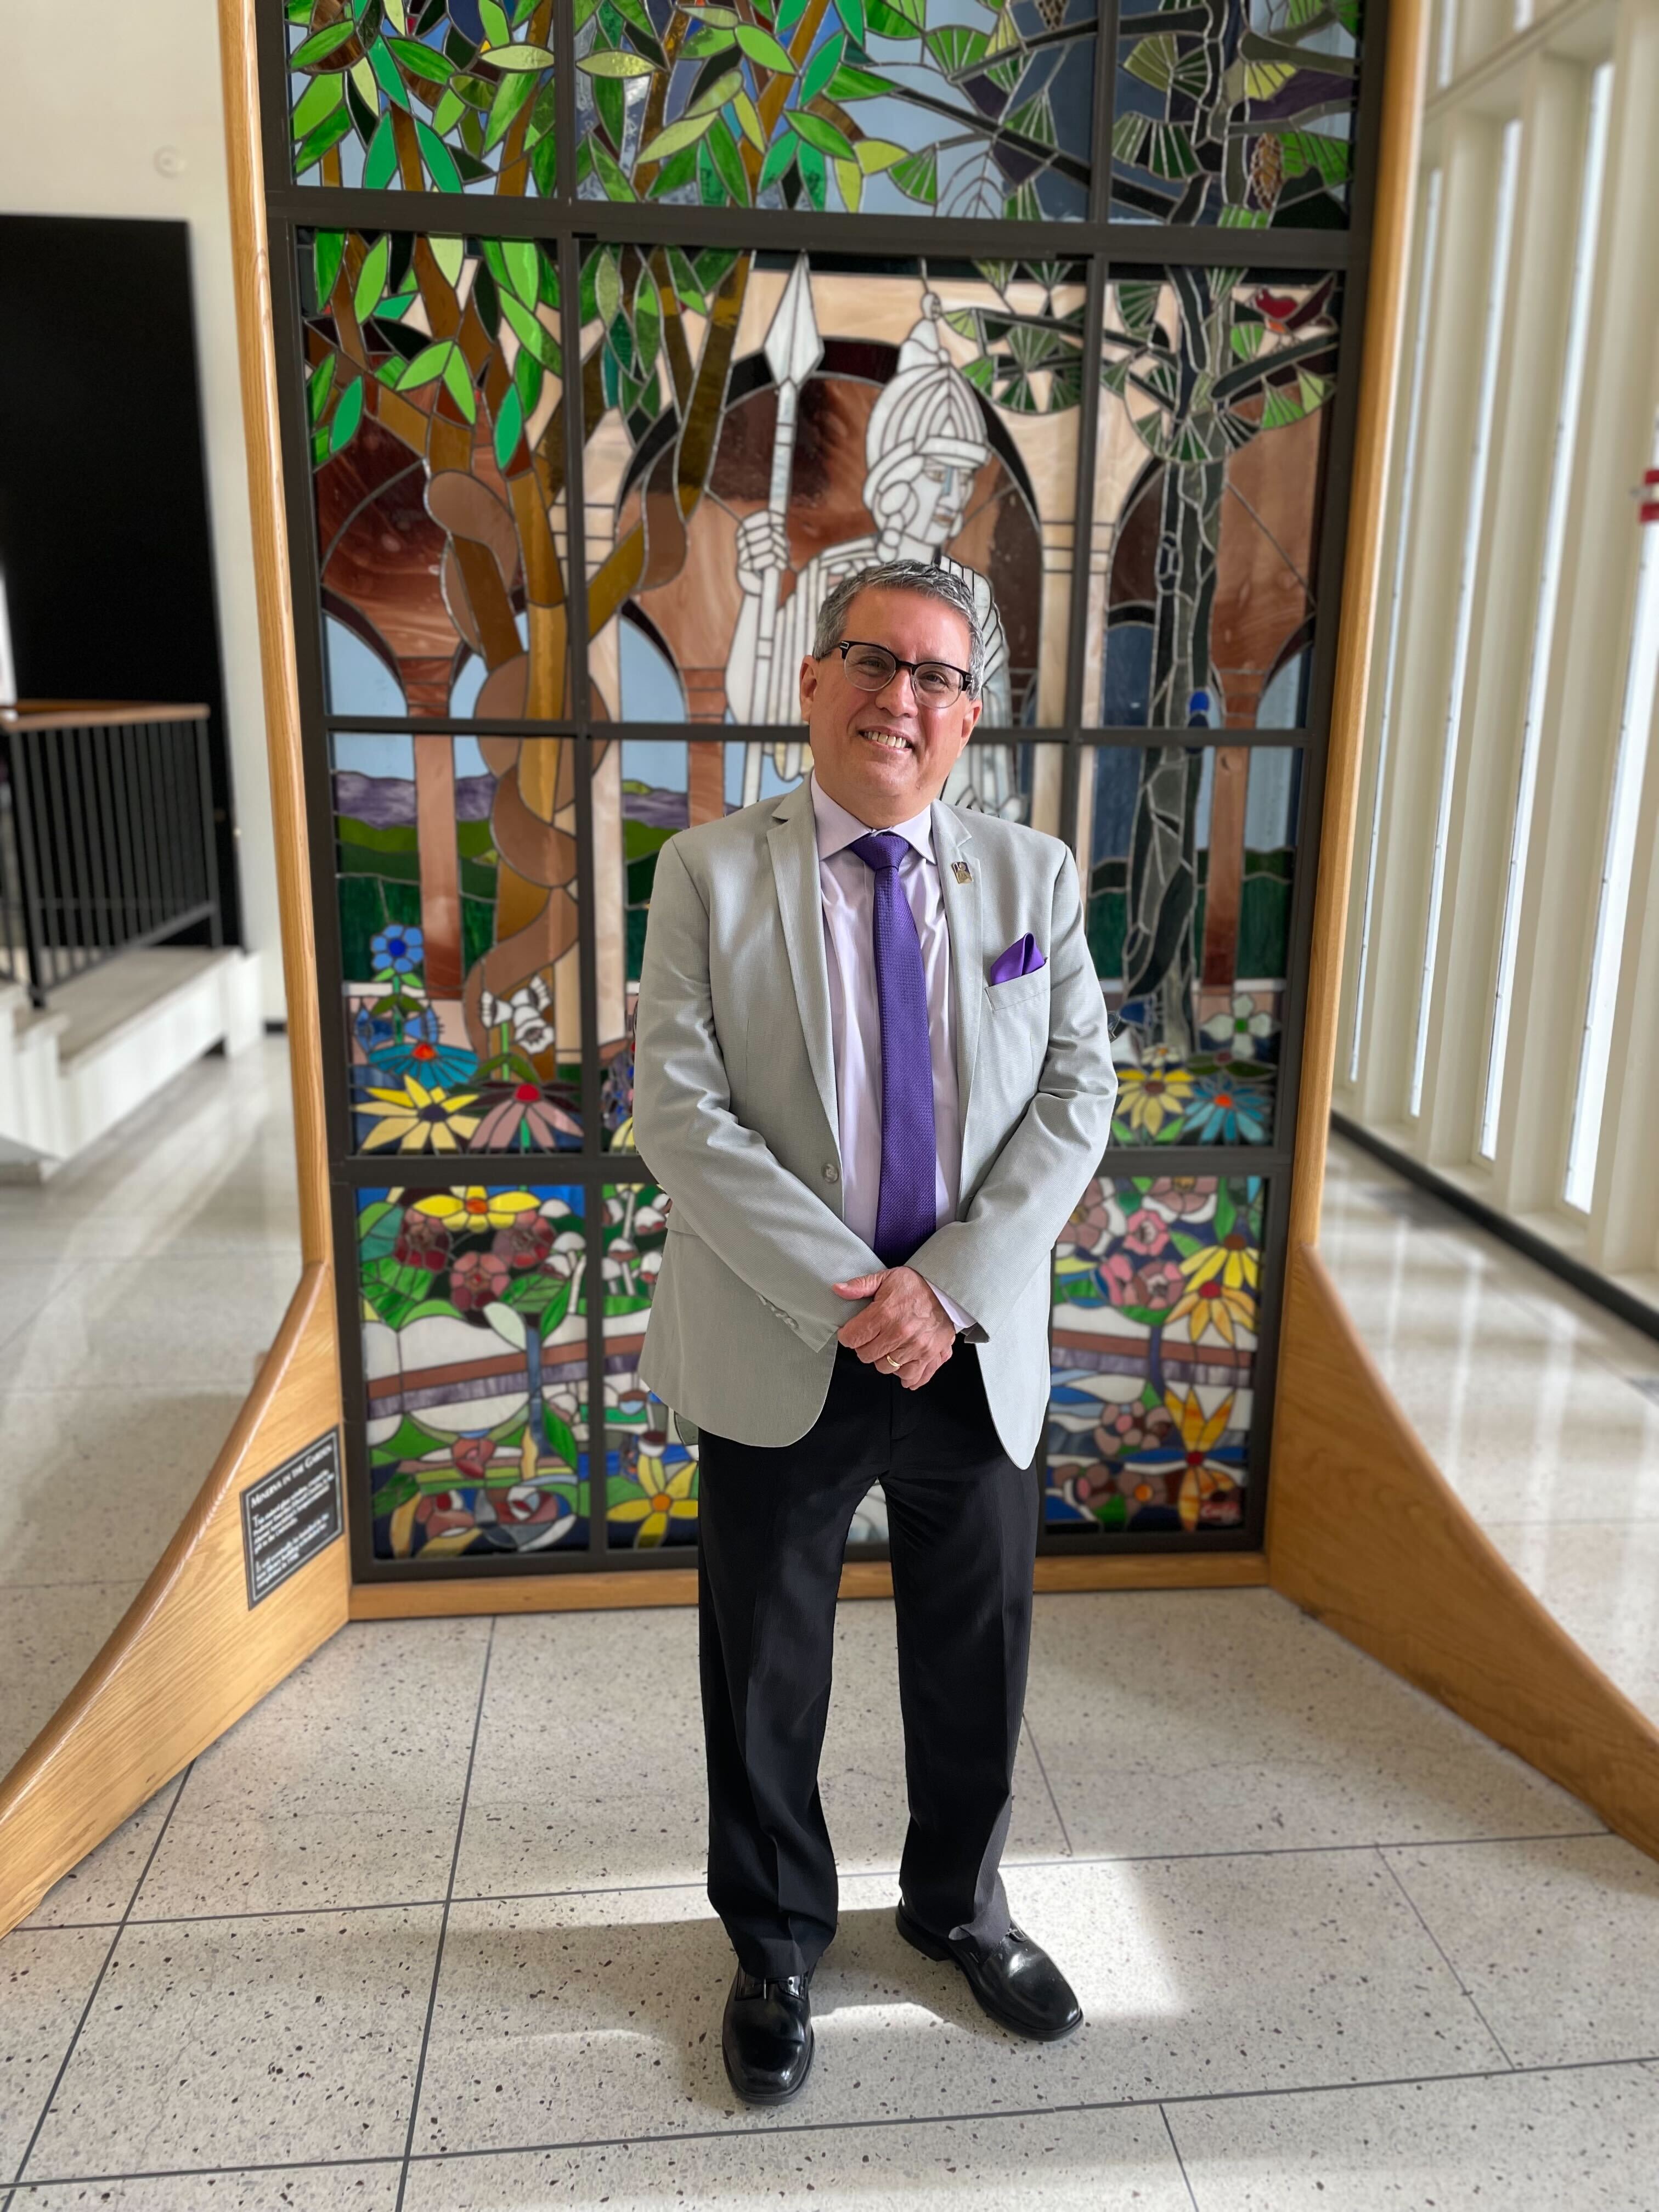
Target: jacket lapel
{"x": 793, "y": 840}
{"x": 952, "y": 839}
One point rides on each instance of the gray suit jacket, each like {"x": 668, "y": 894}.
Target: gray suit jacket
{"x": 735, "y": 1113}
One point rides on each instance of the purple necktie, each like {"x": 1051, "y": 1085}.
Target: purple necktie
{"x": 906, "y": 1212}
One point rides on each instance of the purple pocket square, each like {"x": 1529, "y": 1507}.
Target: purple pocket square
{"x": 1023, "y": 957}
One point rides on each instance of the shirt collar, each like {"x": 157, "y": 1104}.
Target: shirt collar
{"x": 837, "y": 829}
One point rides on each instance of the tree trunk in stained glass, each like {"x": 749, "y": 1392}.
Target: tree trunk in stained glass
{"x": 1158, "y": 948}
{"x": 1224, "y": 875}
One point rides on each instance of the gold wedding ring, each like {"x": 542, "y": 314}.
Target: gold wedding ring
{"x": 888, "y": 1360}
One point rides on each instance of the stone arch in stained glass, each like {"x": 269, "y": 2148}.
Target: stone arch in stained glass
{"x": 1187, "y": 865}
{"x": 965, "y": 109}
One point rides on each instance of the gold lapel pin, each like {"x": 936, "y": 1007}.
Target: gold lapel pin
{"x": 959, "y": 870}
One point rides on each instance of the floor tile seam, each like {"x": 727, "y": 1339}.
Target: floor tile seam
{"x": 1149, "y": 2102}
{"x": 1473, "y": 2002}
{"x": 859, "y": 1873}
{"x": 92, "y": 1999}
{"x": 443, "y": 1924}
{"x": 1042, "y": 1769}
{"x": 1186, "y": 2179}
{"x": 850, "y": 2126}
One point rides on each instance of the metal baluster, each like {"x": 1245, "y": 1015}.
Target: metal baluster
{"x": 80, "y": 852}
{"x": 57, "y": 950}
{"x": 209, "y": 833}
{"x": 25, "y": 791}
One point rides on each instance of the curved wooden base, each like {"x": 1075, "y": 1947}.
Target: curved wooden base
{"x": 632, "y": 1586}
{"x": 189, "y": 1657}
{"x": 1365, "y": 1533}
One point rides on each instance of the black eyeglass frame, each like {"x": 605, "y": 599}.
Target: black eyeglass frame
{"x": 844, "y": 645}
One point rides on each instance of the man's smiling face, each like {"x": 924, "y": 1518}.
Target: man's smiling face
{"x": 882, "y": 754}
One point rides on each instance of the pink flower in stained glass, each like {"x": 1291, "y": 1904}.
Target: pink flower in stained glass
{"x": 478, "y": 1280}
{"x": 1145, "y": 1232}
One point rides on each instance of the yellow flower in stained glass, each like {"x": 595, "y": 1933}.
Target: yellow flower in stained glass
{"x": 668, "y": 1498}
{"x": 475, "y": 1208}
{"x": 1233, "y": 1261}
{"x": 1148, "y": 1098}
{"x": 1214, "y": 1307}
{"x": 417, "y": 1115}
{"x": 1199, "y": 1433}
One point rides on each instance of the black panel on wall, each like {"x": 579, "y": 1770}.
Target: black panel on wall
{"x": 105, "y": 539}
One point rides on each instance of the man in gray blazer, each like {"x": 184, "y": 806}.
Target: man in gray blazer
{"x": 873, "y": 1077}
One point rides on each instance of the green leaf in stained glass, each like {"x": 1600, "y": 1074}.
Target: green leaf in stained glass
{"x": 850, "y": 84}
{"x": 328, "y": 133}
{"x": 610, "y": 171}
{"x": 493, "y": 17}
{"x": 320, "y": 97}
{"x": 371, "y": 279}
{"x": 380, "y": 162}
{"x": 895, "y": 18}
{"x": 722, "y": 150}
{"x": 521, "y": 266}
{"x": 422, "y": 61}
{"x": 826, "y": 61}
{"x": 610, "y": 61}
{"x": 386, "y": 74}
{"x": 427, "y": 366}
{"x": 458, "y": 384}
{"x": 821, "y": 135}
{"x": 918, "y": 178}
{"x": 318, "y": 387}
{"x": 440, "y": 166}
{"x": 328, "y": 250}
{"x": 955, "y": 47}
{"x": 509, "y": 422}
{"x": 511, "y": 95}
{"x": 812, "y": 172}
{"x": 780, "y": 160}
{"x": 518, "y": 58}
{"x": 347, "y": 415}
{"x": 763, "y": 50}
{"x": 321, "y": 44}
{"x": 710, "y": 39}
{"x": 685, "y": 132}
{"x": 531, "y": 332}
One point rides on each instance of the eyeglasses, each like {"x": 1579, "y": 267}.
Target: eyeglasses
{"x": 872, "y": 668}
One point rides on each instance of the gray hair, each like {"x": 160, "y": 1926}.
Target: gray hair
{"x": 942, "y": 584}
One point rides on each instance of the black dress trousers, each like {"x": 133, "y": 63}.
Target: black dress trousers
{"x": 963, "y": 1522}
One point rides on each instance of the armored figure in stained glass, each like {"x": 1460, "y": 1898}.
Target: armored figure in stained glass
{"x": 923, "y": 448}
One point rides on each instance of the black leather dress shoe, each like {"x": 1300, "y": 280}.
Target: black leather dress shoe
{"x": 1017, "y": 1983}
{"x": 766, "y": 2038}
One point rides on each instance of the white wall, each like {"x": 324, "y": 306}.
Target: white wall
{"x": 89, "y": 95}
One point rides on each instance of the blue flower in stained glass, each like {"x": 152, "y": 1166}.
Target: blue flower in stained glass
{"x": 1225, "y": 1111}
{"x": 397, "y": 951}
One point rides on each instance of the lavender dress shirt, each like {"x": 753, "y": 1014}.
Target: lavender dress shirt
{"x": 848, "y": 895}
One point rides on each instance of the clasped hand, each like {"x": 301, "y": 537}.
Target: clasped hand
{"x": 904, "y": 1327}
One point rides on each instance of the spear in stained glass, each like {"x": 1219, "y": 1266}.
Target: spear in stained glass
{"x": 795, "y": 347}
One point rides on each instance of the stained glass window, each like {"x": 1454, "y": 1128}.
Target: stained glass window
{"x": 1240, "y": 116}
{"x": 1207, "y": 495}
{"x": 433, "y": 370}
{"x": 761, "y": 425}
{"x": 972, "y": 108}
{"x": 1187, "y": 885}
{"x": 459, "y": 940}
{"x": 650, "y": 1476}
{"x": 1156, "y": 1287}
{"x": 423, "y": 95}
{"x": 475, "y": 1357}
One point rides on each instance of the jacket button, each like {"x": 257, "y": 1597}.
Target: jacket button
{"x": 831, "y": 1172}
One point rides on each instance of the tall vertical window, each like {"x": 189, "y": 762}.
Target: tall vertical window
{"x": 1496, "y": 293}
{"x": 1397, "y": 596}
{"x": 1446, "y": 54}
{"x": 1619, "y": 851}
{"x": 1549, "y": 588}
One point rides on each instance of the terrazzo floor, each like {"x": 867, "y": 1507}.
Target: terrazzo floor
{"x": 427, "y": 1929}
